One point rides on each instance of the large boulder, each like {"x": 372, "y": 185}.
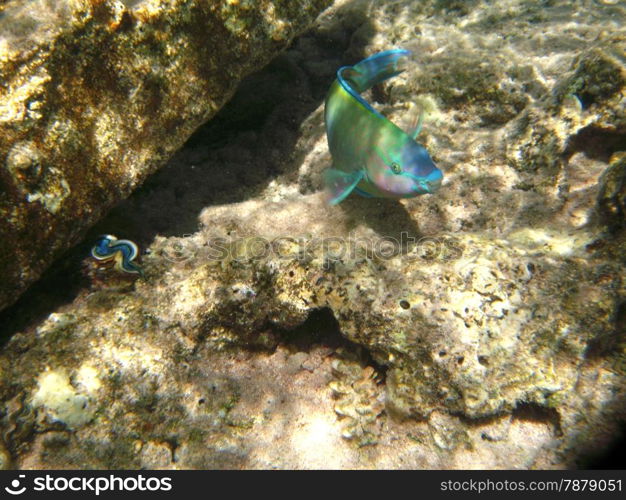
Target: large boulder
{"x": 480, "y": 327}
{"x": 95, "y": 96}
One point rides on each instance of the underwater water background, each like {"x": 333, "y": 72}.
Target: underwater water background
{"x": 481, "y": 326}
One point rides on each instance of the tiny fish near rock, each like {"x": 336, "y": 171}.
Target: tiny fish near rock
{"x": 372, "y": 156}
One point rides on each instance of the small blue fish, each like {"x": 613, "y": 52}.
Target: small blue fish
{"x": 371, "y": 155}
{"x": 123, "y": 252}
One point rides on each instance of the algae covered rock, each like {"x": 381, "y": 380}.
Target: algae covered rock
{"x": 481, "y": 327}
{"x": 201, "y": 365}
{"x": 612, "y": 196}
{"x": 97, "y": 95}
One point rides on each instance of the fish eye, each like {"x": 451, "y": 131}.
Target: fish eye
{"x": 396, "y": 168}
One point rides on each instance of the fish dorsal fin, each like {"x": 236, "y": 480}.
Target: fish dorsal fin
{"x": 340, "y": 184}
{"x": 416, "y": 125}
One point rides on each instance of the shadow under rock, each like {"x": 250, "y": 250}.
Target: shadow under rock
{"x": 386, "y": 217}
{"x": 611, "y": 457}
{"x": 601, "y": 445}
{"x": 251, "y": 141}
{"x": 57, "y": 287}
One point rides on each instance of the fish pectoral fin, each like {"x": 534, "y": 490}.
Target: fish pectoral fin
{"x": 340, "y": 184}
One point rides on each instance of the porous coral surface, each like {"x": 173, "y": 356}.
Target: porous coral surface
{"x": 478, "y": 327}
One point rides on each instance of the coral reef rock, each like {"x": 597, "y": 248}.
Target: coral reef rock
{"x": 97, "y": 95}
{"x": 479, "y": 327}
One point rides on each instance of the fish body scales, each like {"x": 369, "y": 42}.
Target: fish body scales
{"x": 371, "y": 155}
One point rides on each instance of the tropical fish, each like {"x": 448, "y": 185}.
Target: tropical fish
{"x": 123, "y": 252}
{"x": 372, "y": 156}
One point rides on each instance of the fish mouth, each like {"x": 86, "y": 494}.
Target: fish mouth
{"x": 434, "y": 184}
{"x": 423, "y": 185}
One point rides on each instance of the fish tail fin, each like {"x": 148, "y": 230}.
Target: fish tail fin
{"x": 374, "y": 69}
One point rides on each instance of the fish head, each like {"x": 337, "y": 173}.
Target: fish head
{"x": 404, "y": 172}
{"x": 419, "y": 166}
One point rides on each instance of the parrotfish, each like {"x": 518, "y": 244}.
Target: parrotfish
{"x": 123, "y": 252}
{"x": 372, "y": 156}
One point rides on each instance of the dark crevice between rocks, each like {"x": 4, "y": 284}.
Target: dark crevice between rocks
{"x": 596, "y": 143}
{"x": 263, "y": 119}
{"x": 533, "y": 412}
{"x": 251, "y": 141}
{"x": 611, "y": 342}
{"x": 479, "y": 421}
{"x": 611, "y": 202}
{"x": 60, "y": 285}
{"x": 322, "y": 329}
